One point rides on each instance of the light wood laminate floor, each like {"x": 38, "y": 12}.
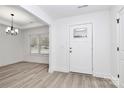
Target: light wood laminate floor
{"x": 35, "y": 75}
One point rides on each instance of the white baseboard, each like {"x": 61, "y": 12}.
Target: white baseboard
{"x": 51, "y": 70}
{"x": 1, "y": 65}
{"x": 64, "y": 69}
{"x": 102, "y": 75}
{"x": 36, "y": 61}
{"x": 115, "y": 81}
{"x": 61, "y": 69}
{"x": 121, "y": 86}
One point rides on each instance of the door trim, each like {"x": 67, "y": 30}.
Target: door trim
{"x": 68, "y": 44}
{"x": 118, "y": 45}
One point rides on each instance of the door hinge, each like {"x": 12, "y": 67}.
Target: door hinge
{"x": 118, "y": 21}
{"x": 117, "y": 48}
{"x": 70, "y": 51}
{"x": 118, "y": 75}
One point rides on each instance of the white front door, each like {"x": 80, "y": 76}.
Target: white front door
{"x": 81, "y": 48}
{"x": 121, "y": 50}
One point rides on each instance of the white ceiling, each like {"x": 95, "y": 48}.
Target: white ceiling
{"x": 22, "y": 18}
{"x": 60, "y": 11}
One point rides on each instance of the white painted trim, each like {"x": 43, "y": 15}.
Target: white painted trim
{"x": 61, "y": 69}
{"x": 115, "y": 81}
{"x": 121, "y": 10}
{"x": 121, "y": 86}
{"x": 102, "y": 75}
{"x": 51, "y": 70}
{"x": 10, "y": 63}
{"x": 50, "y": 49}
{"x": 51, "y": 53}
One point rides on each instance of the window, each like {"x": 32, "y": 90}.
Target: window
{"x": 39, "y": 44}
{"x": 80, "y": 32}
{"x": 44, "y": 44}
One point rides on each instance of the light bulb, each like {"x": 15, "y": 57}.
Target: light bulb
{"x": 16, "y": 30}
{"x": 12, "y": 32}
{"x": 8, "y": 29}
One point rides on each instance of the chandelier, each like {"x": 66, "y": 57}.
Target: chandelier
{"x": 10, "y": 29}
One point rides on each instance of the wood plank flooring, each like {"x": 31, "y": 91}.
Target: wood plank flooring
{"x": 35, "y": 75}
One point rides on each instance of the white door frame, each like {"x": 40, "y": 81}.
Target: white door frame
{"x": 118, "y": 44}
{"x": 69, "y": 42}
{"x": 51, "y": 54}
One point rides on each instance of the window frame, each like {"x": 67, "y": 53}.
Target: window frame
{"x": 37, "y": 54}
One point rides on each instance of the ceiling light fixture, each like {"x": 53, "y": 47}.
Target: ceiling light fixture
{"x": 10, "y": 29}
{"x": 81, "y": 6}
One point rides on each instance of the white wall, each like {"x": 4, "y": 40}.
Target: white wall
{"x": 101, "y": 41}
{"x": 10, "y": 47}
{"x": 27, "y": 55}
{"x": 38, "y": 12}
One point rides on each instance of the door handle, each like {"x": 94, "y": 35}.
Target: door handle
{"x": 70, "y": 49}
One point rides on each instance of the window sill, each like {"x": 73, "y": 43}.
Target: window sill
{"x": 36, "y": 54}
